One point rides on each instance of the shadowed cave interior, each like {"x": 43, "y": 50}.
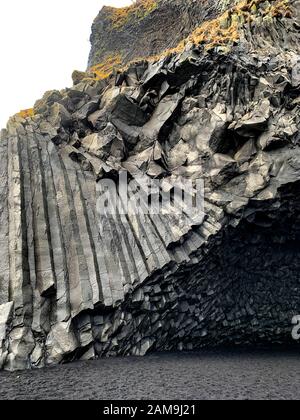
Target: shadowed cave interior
{"x": 246, "y": 291}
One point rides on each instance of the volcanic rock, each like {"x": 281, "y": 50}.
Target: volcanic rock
{"x": 78, "y": 281}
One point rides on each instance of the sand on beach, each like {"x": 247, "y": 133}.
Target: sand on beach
{"x": 203, "y": 375}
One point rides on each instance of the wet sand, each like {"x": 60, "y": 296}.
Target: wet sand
{"x": 205, "y": 375}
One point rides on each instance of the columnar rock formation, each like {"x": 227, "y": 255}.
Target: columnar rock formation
{"x": 223, "y": 107}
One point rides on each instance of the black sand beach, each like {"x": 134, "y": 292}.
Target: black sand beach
{"x": 204, "y": 375}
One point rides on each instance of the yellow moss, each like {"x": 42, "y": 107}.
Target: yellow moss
{"x": 278, "y": 8}
{"x": 224, "y": 30}
{"x": 281, "y": 9}
{"x": 107, "y": 66}
{"x": 139, "y": 10}
{"x": 26, "y": 113}
{"x": 212, "y": 33}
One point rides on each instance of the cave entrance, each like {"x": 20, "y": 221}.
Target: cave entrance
{"x": 246, "y": 290}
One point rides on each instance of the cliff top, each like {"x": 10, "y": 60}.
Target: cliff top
{"x": 151, "y": 28}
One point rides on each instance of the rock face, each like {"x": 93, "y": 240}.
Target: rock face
{"x": 147, "y": 29}
{"x": 80, "y": 283}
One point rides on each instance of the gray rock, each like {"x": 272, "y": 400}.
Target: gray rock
{"x": 86, "y": 110}
{"x": 128, "y": 112}
{"x": 6, "y": 313}
{"x": 253, "y": 122}
{"x": 79, "y": 281}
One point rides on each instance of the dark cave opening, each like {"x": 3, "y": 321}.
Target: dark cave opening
{"x": 244, "y": 291}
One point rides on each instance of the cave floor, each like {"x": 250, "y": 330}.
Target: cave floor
{"x": 222, "y": 374}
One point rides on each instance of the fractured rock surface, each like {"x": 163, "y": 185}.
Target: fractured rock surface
{"x": 159, "y": 25}
{"x": 76, "y": 283}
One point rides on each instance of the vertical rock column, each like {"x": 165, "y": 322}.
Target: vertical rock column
{"x": 5, "y": 306}
{"x": 20, "y": 293}
{"x": 4, "y": 247}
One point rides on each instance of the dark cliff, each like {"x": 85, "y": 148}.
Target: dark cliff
{"x": 146, "y": 29}
{"x": 223, "y": 106}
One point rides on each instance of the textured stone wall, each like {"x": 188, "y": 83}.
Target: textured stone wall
{"x": 243, "y": 291}
{"x": 75, "y": 283}
{"x": 161, "y": 29}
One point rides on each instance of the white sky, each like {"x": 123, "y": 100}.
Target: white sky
{"x": 41, "y": 43}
